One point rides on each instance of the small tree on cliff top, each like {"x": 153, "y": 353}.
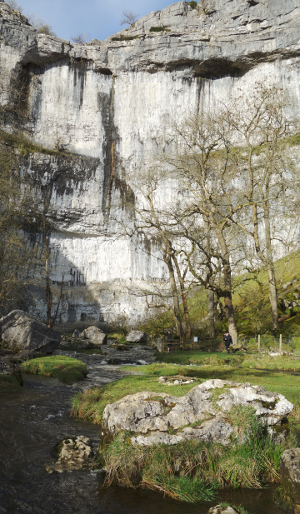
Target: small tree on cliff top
{"x": 129, "y": 18}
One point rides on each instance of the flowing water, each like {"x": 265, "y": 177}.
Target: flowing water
{"x": 34, "y": 420}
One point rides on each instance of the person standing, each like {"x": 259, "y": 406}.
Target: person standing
{"x": 227, "y": 340}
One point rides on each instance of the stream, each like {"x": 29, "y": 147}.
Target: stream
{"x": 34, "y": 420}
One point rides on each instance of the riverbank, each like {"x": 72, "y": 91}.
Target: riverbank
{"x": 253, "y": 464}
{"x": 38, "y": 417}
{"x": 34, "y": 420}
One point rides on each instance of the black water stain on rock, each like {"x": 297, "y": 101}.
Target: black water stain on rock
{"x": 113, "y": 166}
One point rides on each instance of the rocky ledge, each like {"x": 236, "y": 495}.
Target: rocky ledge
{"x": 204, "y": 413}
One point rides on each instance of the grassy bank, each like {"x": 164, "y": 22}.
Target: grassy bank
{"x": 64, "y": 368}
{"x": 193, "y": 471}
{"x": 252, "y": 360}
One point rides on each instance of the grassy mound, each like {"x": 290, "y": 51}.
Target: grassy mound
{"x": 64, "y": 368}
{"x": 194, "y": 471}
{"x": 9, "y": 384}
{"x": 191, "y": 471}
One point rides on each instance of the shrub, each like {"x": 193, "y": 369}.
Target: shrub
{"x": 124, "y": 38}
{"x": 193, "y": 4}
{"x": 157, "y": 29}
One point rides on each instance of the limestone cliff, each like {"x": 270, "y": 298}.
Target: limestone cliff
{"x": 103, "y": 106}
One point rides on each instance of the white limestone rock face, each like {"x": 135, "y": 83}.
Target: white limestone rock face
{"x": 200, "y": 415}
{"x": 107, "y": 105}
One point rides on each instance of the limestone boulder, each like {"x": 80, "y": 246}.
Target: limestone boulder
{"x": 136, "y": 336}
{"x": 95, "y": 335}
{"x": 22, "y": 332}
{"x": 203, "y": 414}
{"x": 218, "y": 509}
{"x": 74, "y": 454}
{"x": 7, "y": 367}
{"x": 290, "y": 475}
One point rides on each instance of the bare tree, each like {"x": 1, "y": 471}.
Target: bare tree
{"x": 40, "y": 25}
{"x": 14, "y": 6}
{"x": 261, "y": 126}
{"x": 129, "y": 17}
{"x": 80, "y": 39}
{"x": 199, "y": 159}
{"x": 152, "y": 225}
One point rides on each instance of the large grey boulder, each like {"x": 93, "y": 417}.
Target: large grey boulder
{"x": 136, "y": 336}
{"x": 95, "y": 335}
{"x": 202, "y": 414}
{"x": 290, "y": 475}
{"x": 20, "y": 331}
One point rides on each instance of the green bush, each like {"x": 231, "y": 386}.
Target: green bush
{"x": 64, "y": 368}
{"x": 157, "y": 29}
{"x": 124, "y": 38}
{"x": 193, "y": 4}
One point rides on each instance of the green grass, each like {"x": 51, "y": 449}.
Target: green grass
{"x": 252, "y": 360}
{"x": 64, "y": 368}
{"x": 239, "y": 509}
{"x": 9, "y": 384}
{"x": 89, "y": 404}
{"x": 193, "y": 471}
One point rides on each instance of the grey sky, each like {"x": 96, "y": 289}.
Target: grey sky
{"x": 96, "y": 18}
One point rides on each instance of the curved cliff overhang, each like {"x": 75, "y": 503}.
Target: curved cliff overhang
{"x": 218, "y": 38}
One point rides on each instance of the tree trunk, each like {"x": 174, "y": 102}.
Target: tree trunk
{"x": 228, "y": 307}
{"x": 267, "y": 260}
{"x": 211, "y": 313}
{"x": 177, "y": 313}
{"x": 271, "y": 271}
{"x": 273, "y": 298}
{"x": 229, "y": 315}
{"x": 184, "y": 300}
